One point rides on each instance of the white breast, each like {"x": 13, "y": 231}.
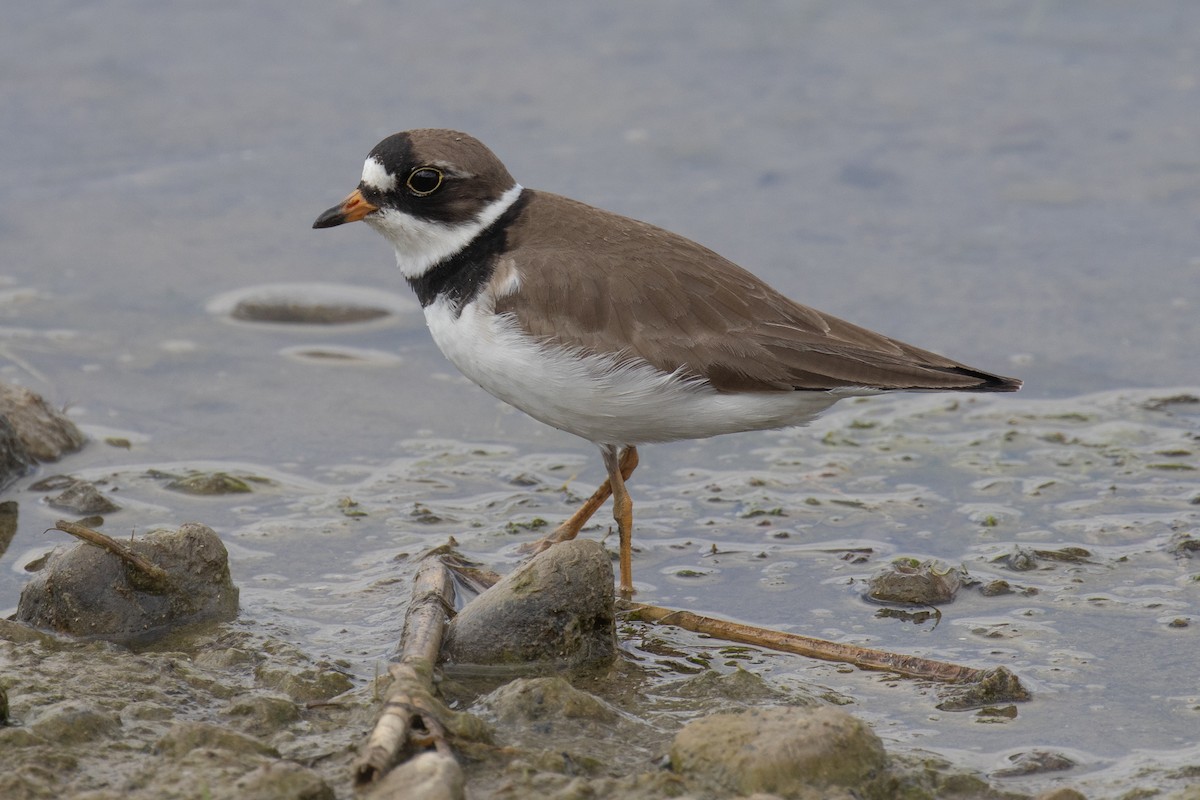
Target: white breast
{"x": 604, "y": 399}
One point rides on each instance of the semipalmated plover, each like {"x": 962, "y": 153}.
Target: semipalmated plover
{"x": 609, "y": 328}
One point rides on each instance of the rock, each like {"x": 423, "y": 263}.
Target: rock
{"x": 305, "y": 684}
{"x": 17, "y": 633}
{"x": 429, "y": 776}
{"x": 1185, "y": 544}
{"x": 73, "y": 722}
{"x": 185, "y": 737}
{"x": 31, "y": 431}
{"x": 740, "y": 687}
{"x": 210, "y": 483}
{"x": 532, "y": 699}
{"x": 556, "y": 726}
{"x": 907, "y": 580}
{"x": 996, "y": 588}
{"x": 1034, "y": 762}
{"x": 82, "y": 497}
{"x": 88, "y": 591}
{"x": 554, "y": 611}
{"x": 262, "y": 715}
{"x": 785, "y": 751}
{"x": 522, "y": 780}
{"x": 8, "y": 523}
{"x": 15, "y": 460}
{"x": 1022, "y": 559}
{"x": 283, "y": 780}
{"x": 45, "y": 433}
{"x": 994, "y": 687}
{"x": 1062, "y": 793}
{"x": 917, "y": 775}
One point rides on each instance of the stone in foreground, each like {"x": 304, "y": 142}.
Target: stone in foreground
{"x": 554, "y": 611}
{"x": 786, "y": 751}
{"x": 89, "y": 592}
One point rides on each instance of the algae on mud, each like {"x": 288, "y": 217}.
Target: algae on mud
{"x": 92, "y": 717}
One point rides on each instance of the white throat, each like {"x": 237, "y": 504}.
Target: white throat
{"x": 422, "y": 243}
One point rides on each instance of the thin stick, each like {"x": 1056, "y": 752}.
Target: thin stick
{"x": 412, "y": 675}
{"x": 823, "y": 649}
{"x": 154, "y": 573}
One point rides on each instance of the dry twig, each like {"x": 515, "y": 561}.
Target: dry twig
{"x": 862, "y": 657}
{"x": 155, "y": 575}
{"x": 408, "y": 704}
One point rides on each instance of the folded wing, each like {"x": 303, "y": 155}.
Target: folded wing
{"x": 646, "y": 293}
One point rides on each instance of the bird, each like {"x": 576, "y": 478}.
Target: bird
{"x": 609, "y": 328}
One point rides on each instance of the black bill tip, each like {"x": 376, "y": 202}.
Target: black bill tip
{"x": 352, "y": 209}
{"x": 331, "y": 218}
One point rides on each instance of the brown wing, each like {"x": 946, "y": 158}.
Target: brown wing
{"x": 633, "y": 288}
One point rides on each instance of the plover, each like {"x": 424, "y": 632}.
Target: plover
{"x": 606, "y": 327}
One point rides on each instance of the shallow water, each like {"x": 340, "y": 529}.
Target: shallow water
{"x": 1015, "y": 185}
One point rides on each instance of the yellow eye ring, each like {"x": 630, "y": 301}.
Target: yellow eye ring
{"x": 424, "y": 181}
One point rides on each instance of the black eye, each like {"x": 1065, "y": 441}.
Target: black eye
{"x": 424, "y": 180}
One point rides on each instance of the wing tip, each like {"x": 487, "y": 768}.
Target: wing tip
{"x": 990, "y": 383}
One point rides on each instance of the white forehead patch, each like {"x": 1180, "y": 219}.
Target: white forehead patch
{"x": 375, "y": 176}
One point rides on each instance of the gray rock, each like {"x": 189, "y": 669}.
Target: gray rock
{"x": 8, "y": 523}
{"x": 306, "y": 683}
{"x": 261, "y": 714}
{"x": 44, "y": 433}
{"x": 906, "y": 580}
{"x": 554, "y": 611}
{"x": 82, "y": 497}
{"x": 429, "y": 776}
{"x": 532, "y": 699}
{"x": 15, "y": 460}
{"x": 74, "y": 722}
{"x": 185, "y": 737}
{"x": 786, "y": 751}
{"x": 1067, "y": 793}
{"x": 992, "y": 688}
{"x": 283, "y": 780}
{"x": 1034, "y": 762}
{"x": 88, "y": 591}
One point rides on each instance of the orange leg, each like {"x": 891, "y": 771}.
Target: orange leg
{"x": 623, "y": 514}
{"x": 570, "y": 529}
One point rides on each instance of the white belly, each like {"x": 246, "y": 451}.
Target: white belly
{"x": 601, "y": 398}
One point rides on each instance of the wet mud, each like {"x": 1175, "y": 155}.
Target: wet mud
{"x": 1085, "y": 509}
